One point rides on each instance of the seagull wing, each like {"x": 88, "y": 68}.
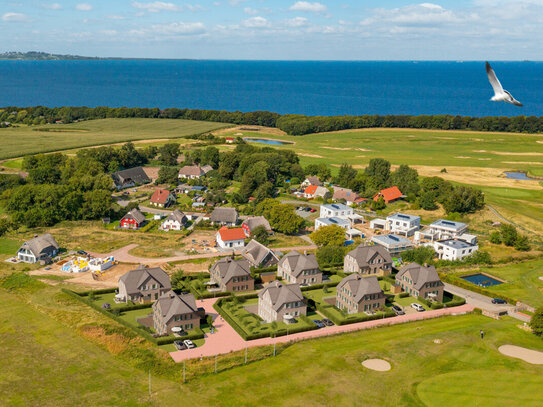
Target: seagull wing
{"x": 496, "y": 85}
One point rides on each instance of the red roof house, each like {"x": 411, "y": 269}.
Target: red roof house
{"x": 389, "y": 194}
{"x": 162, "y": 198}
{"x": 230, "y": 140}
{"x": 230, "y": 238}
{"x": 309, "y": 192}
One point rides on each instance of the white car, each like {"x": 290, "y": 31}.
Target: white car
{"x": 416, "y": 306}
{"x": 189, "y": 344}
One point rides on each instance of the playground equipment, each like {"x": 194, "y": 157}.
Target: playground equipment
{"x": 82, "y": 264}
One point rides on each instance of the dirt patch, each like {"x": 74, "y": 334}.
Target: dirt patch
{"x": 523, "y": 162}
{"x": 539, "y": 141}
{"x": 339, "y": 148}
{"x": 509, "y": 153}
{"x": 462, "y": 156}
{"x": 238, "y": 129}
{"x": 528, "y": 355}
{"x": 379, "y": 365}
{"x": 363, "y": 149}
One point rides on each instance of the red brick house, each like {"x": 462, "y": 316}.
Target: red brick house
{"x": 162, "y": 198}
{"x": 133, "y": 219}
{"x": 389, "y": 194}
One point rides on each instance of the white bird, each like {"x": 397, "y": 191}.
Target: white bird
{"x": 500, "y": 94}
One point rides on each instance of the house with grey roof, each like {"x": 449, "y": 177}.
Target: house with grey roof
{"x": 420, "y": 281}
{"x": 402, "y": 224}
{"x": 232, "y": 275}
{"x": 132, "y": 220}
{"x": 259, "y": 255}
{"x": 176, "y": 220}
{"x": 368, "y": 260}
{"x": 39, "y": 249}
{"x": 454, "y": 249}
{"x": 356, "y": 293}
{"x": 394, "y": 244}
{"x": 194, "y": 171}
{"x": 224, "y": 216}
{"x": 442, "y": 229}
{"x": 299, "y": 268}
{"x": 251, "y": 223}
{"x": 130, "y": 177}
{"x": 311, "y": 180}
{"x": 176, "y": 310}
{"x": 144, "y": 284}
{"x": 281, "y": 302}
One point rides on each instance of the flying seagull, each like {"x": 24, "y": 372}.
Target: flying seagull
{"x": 500, "y": 94}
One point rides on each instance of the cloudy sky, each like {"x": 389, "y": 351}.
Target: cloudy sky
{"x": 277, "y": 29}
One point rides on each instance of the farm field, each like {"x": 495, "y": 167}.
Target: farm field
{"x": 21, "y": 141}
{"x": 64, "y": 336}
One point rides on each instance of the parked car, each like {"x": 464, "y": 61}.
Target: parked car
{"x": 417, "y": 307}
{"x": 307, "y": 209}
{"x": 327, "y": 322}
{"x": 82, "y": 252}
{"x": 312, "y": 210}
{"x": 498, "y": 301}
{"x": 397, "y": 309}
{"x": 189, "y": 344}
{"x": 179, "y": 345}
{"x": 319, "y": 323}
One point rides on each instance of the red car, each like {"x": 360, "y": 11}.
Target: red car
{"x": 312, "y": 210}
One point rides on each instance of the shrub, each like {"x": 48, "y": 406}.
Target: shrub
{"x": 403, "y": 295}
{"x": 536, "y": 323}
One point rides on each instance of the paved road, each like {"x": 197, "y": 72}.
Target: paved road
{"x": 124, "y": 256}
{"x": 226, "y": 340}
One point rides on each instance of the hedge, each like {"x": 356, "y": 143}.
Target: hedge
{"x": 96, "y": 292}
{"x": 319, "y": 286}
{"x": 457, "y": 281}
{"x": 134, "y": 307}
{"x": 323, "y": 309}
{"x": 198, "y": 334}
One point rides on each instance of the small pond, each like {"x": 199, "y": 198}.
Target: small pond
{"x": 266, "y": 141}
{"x": 482, "y": 280}
{"x": 519, "y": 175}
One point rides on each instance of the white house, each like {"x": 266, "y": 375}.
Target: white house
{"x": 175, "y": 221}
{"x": 335, "y": 211}
{"x": 454, "y": 249}
{"x": 442, "y": 229}
{"x": 342, "y": 223}
{"x": 392, "y": 243}
{"x": 230, "y": 238}
{"x": 41, "y": 248}
{"x": 402, "y": 224}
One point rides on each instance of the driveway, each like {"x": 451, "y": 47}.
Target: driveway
{"x": 227, "y": 340}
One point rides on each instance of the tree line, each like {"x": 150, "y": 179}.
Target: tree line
{"x": 290, "y": 123}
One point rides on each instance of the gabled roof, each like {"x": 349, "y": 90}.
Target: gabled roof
{"x": 226, "y": 215}
{"x": 256, "y": 221}
{"x": 160, "y": 196}
{"x": 229, "y": 268}
{"x": 177, "y": 216}
{"x": 389, "y": 194}
{"x": 299, "y": 262}
{"x": 280, "y": 294}
{"x": 207, "y": 168}
{"x": 419, "y": 274}
{"x": 41, "y": 244}
{"x": 136, "y": 215}
{"x": 345, "y": 193}
{"x": 172, "y": 304}
{"x": 310, "y": 190}
{"x": 134, "y": 278}
{"x": 231, "y": 234}
{"x": 314, "y": 180}
{"x": 364, "y": 254}
{"x": 360, "y": 286}
{"x": 189, "y": 170}
{"x": 136, "y": 174}
{"x": 255, "y": 253}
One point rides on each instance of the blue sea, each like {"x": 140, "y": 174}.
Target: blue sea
{"x": 312, "y": 87}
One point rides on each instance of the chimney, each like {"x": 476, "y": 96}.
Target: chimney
{"x": 425, "y": 264}
{"x": 305, "y": 252}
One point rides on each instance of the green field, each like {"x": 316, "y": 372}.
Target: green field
{"x": 21, "y": 141}
{"x": 46, "y": 361}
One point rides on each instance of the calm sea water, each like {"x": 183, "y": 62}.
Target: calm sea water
{"x": 314, "y": 88}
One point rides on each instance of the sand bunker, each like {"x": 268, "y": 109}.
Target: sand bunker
{"x": 508, "y": 153}
{"x": 339, "y": 148}
{"x": 238, "y": 134}
{"x": 534, "y": 357}
{"x": 363, "y": 149}
{"x": 523, "y": 162}
{"x": 539, "y": 141}
{"x": 310, "y": 155}
{"x": 376, "y": 364}
{"x": 483, "y": 159}
{"x": 461, "y": 156}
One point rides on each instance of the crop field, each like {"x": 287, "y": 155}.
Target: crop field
{"x": 19, "y": 141}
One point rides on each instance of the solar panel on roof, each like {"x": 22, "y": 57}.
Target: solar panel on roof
{"x": 394, "y": 238}
{"x": 403, "y": 216}
{"x": 446, "y": 222}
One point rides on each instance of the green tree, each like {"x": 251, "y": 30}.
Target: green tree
{"x": 378, "y": 170}
{"x": 210, "y": 156}
{"x": 345, "y": 176}
{"x": 428, "y": 201}
{"x": 495, "y": 237}
{"x": 331, "y": 235}
{"x": 406, "y": 179}
{"x": 284, "y": 219}
{"x": 169, "y": 153}
{"x": 509, "y": 234}
{"x": 328, "y": 255}
{"x": 261, "y": 235}
{"x": 464, "y": 200}
{"x": 522, "y": 243}
{"x": 168, "y": 175}
{"x": 177, "y": 279}
{"x": 420, "y": 255}
{"x": 379, "y": 204}
{"x": 536, "y": 323}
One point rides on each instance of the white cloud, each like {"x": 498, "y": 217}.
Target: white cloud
{"x": 307, "y": 6}
{"x": 235, "y": 3}
{"x": 52, "y": 6}
{"x": 173, "y": 29}
{"x": 256, "y": 22}
{"x": 115, "y": 17}
{"x": 109, "y": 32}
{"x": 83, "y": 7}
{"x": 296, "y": 22}
{"x": 19, "y": 17}
{"x": 156, "y": 6}
{"x": 250, "y": 11}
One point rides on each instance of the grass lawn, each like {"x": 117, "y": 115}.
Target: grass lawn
{"x": 104, "y": 370}
{"x": 523, "y": 281}
{"x": 9, "y": 247}
{"x": 25, "y": 140}
{"x": 281, "y": 240}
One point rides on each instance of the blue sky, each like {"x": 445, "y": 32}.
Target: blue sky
{"x": 277, "y": 29}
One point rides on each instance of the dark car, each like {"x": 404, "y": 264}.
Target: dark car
{"x": 397, "y": 309}
{"x": 307, "y": 209}
{"x": 498, "y": 301}
{"x": 179, "y": 345}
{"x": 82, "y": 252}
{"x": 319, "y": 323}
{"x": 327, "y": 322}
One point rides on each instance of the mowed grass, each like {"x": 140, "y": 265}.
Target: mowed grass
{"x": 21, "y": 141}
{"x": 48, "y": 364}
